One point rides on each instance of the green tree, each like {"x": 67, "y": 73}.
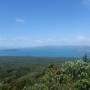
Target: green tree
{"x": 83, "y": 84}
{"x": 85, "y": 58}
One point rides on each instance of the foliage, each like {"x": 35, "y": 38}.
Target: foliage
{"x": 44, "y": 74}
{"x": 85, "y": 58}
{"x": 83, "y": 84}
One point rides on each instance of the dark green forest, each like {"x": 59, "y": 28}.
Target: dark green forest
{"x": 35, "y": 73}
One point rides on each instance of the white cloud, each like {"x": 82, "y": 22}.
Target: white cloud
{"x": 19, "y": 20}
{"x": 86, "y": 2}
{"x": 21, "y": 42}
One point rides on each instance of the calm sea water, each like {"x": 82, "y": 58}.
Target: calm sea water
{"x": 48, "y": 51}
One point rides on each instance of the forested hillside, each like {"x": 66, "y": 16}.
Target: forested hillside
{"x": 27, "y": 73}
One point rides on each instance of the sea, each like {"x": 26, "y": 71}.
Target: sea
{"x": 48, "y": 51}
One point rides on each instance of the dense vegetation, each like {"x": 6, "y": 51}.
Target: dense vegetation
{"x": 28, "y": 73}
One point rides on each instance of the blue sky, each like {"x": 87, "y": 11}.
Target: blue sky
{"x": 32, "y": 23}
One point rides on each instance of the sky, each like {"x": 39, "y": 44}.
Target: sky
{"x": 33, "y": 23}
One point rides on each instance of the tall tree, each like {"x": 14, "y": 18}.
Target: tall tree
{"x": 85, "y": 58}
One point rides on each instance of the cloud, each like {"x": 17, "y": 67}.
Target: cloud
{"x": 19, "y": 20}
{"x": 86, "y": 2}
{"x": 22, "y": 42}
